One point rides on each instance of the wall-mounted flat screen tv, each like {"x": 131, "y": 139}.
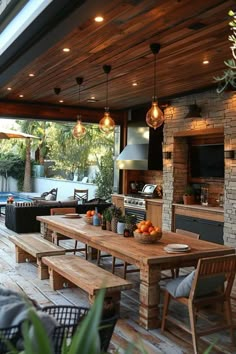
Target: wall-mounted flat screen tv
{"x": 207, "y": 161}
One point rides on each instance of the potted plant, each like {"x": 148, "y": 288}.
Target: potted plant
{"x": 121, "y": 225}
{"x": 130, "y": 223}
{"x": 116, "y": 213}
{"x": 107, "y": 217}
{"x": 188, "y": 196}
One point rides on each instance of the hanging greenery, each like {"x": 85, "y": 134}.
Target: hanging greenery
{"x": 228, "y": 79}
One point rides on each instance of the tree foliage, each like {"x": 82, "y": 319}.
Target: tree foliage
{"x": 12, "y": 165}
{"x": 69, "y": 155}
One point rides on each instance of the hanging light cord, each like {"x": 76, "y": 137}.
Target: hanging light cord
{"x": 107, "y": 91}
{"x": 155, "y": 76}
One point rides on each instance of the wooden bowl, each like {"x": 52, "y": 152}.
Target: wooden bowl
{"x": 88, "y": 220}
{"x": 141, "y": 238}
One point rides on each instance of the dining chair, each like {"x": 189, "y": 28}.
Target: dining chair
{"x": 81, "y": 195}
{"x": 210, "y": 284}
{"x": 125, "y": 266}
{"x": 56, "y": 236}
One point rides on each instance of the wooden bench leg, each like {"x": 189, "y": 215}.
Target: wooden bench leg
{"x": 58, "y": 282}
{"x": 113, "y": 297}
{"x": 22, "y": 256}
{"x": 42, "y": 269}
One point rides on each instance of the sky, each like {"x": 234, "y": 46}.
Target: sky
{"x": 8, "y": 124}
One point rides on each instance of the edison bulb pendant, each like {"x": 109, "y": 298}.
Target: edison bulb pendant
{"x": 155, "y": 116}
{"x": 106, "y": 124}
{"x": 79, "y": 130}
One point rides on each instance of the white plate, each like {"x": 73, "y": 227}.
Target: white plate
{"x": 170, "y": 250}
{"x": 72, "y": 215}
{"x": 177, "y": 246}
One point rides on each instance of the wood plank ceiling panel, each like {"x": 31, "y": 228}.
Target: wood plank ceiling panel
{"x": 188, "y": 31}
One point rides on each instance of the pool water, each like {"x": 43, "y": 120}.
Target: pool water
{"x": 17, "y": 197}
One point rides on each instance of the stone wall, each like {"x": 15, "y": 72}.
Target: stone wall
{"x": 217, "y": 111}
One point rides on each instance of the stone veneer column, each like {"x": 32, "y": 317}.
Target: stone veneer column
{"x": 230, "y": 174}
{"x": 217, "y": 111}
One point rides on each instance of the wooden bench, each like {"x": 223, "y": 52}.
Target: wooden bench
{"x": 73, "y": 271}
{"x": 31, "y": 247}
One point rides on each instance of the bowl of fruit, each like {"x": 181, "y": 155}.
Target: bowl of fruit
{"x": 88, "y": 218}
{"x": 146, "y": 232}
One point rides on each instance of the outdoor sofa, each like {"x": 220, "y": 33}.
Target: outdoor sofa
{"x": 21, "y": 217}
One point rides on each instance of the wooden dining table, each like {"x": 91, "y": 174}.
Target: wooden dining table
{"x": 151, "y": 259}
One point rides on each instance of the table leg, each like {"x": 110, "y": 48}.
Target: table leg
{"x": 149, "y": 315}
{"x": 45, "y": 231}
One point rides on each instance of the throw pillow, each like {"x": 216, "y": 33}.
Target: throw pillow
{"x": 50, "y": 197}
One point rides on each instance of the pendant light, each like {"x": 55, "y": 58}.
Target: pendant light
{"x": 106, "y": 124}
{"x": 79, "y": 130}
{"x": 155, "y": 116}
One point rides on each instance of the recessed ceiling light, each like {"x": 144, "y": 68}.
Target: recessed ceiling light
{"x": 66, "y": 50}
{"x": 21, "y": 96}
{"x": 9, "y": 88}
{"x": 99, "y": 19}
{"x": 205, "y": 62}
{"x": 31, "y": 75}
{"x": 61, "y": 101}
{"x": 134, "y": 83}
{"x": 92, "y": 97}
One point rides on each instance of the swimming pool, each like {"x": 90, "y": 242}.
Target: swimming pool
{"x": 18, "y": 197}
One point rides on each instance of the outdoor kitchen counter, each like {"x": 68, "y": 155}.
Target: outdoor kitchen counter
{"x": 200, "y": 211}
{"x": 154, "y": 200}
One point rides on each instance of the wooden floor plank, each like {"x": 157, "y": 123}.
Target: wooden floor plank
{"x": 23, "y": 277}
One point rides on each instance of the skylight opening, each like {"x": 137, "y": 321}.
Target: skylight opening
{"x": 22, "y": 20}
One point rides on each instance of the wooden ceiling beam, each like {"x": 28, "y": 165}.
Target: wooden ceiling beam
{"x": 56, "y": 113}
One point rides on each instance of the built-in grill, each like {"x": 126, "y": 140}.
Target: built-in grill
{"x": 135, "y": 204}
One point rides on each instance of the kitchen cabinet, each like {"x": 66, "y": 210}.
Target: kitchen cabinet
{"x": 118, "y": 200}
{"x": 208, "y": 230}
{"x": 208, "y": 223}
{"x": 154, "y": 212}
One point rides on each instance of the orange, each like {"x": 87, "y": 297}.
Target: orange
{"x": 144, "y": 228}
{"x": 92, "y": 212}
{"x": 88, "y": 213}
{"x": 150, "y": 229}
{"x": 148, "y": 223}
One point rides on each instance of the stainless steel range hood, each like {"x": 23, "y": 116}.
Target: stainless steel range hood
{"x": 133, "y": 157}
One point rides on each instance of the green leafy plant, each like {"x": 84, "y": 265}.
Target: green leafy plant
{"x": 188, "y": 190}
{"x": 121, "y": 218}
{"x": 116, "y": 212}
{"x": 228, "y": 78}
{"x": 107, "y": 214}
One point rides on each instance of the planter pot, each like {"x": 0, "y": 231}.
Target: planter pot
{"x": 114, "y": 222}
{"x": 120, "y": 228}
{"x": 108, "y": 225}
{"x": 188, "y": 199}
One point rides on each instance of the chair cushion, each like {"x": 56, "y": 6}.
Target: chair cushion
{"x": 181, "y": 286}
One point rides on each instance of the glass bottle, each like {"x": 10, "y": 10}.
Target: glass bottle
{"x": 96, "y": 219}
{"x": 103, "y": 223}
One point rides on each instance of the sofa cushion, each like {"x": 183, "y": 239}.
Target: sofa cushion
{"x": 51, "y": 203}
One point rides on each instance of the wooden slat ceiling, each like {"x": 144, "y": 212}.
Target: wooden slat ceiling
{"x": 188, "y": 31}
